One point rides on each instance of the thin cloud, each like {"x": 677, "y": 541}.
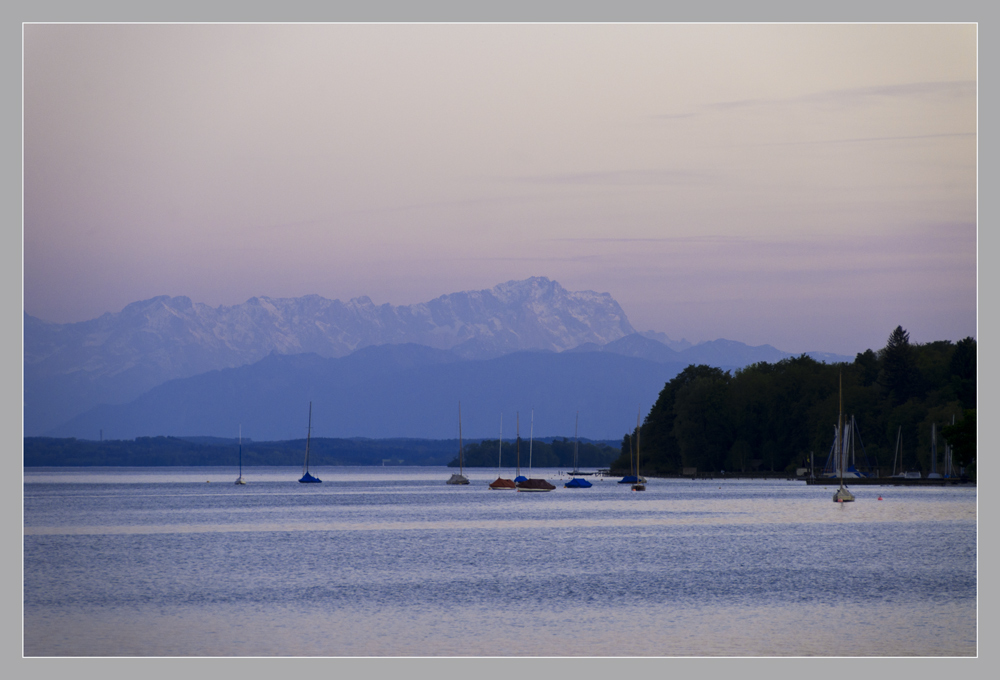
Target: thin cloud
{"x": 658, "y": 239}
{"x": 861, "y": 140}
{"x": 333, "y": 218}
{"x": 845, "y": 97}
{"x": 623, "y": 178}
{"x": 935, "y": 238}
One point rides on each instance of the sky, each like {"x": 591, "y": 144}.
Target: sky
{"x": 806, "y": 186}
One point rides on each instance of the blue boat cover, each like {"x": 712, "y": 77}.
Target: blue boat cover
{"x": 307, "y": 478}
{"x": 520, "y": 478}
{"x": 578, "y": 483}
{"x": 629, "y": 479}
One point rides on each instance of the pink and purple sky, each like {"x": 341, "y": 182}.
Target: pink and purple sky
{"x": 806, "y": 186}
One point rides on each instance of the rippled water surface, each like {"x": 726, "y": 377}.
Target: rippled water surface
{"x": 393, "y": 562}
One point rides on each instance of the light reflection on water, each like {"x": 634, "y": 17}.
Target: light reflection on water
{"x": 392, "y": 562}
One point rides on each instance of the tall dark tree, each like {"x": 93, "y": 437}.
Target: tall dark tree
{"x": 899, "y": 374}
{"x": 869, "y": 364}
{"x": 702, "y": 424}
{"x": 963, "y": 371}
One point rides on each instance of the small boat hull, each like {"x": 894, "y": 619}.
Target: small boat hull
{"x": 309, "y": 479}
{"x": 535, "y": 485}
{"x": 638, "y": 487}
{"x": 842, "y": 495}
{"x": 241, "y": 481}
{"x": 500, "y": 484}
{"x": 458, "y": 479}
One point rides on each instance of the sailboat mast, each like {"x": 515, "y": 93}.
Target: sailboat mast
{"x": 241, "y": 451}
{"x": 933, "y": 448}
{"x": 531, "y": 440}
{"x": 631, "y": 458}
{"x": 840, "y": 430}
{"x": 638, "y": 432}
{"x": 309, "y": 434}
{"x": 948, "y": 453}
{"x": 461, "y": 469}
{"x": 895, "y": 455}
{"x": 854, "y": 450}
{"x": 500, "y": 447}
{"x": 576, "y": 444}
{"x": 518, "y": 417}
{"x": 305, "y": 467}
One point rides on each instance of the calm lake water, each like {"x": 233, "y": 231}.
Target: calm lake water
{"x": 393, "y": 562}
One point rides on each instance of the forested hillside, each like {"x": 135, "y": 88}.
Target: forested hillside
{"x": 770, "y": 417}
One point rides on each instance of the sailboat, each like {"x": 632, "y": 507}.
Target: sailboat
{"x": 576, "y": 456}
{"x": 949, "y": 470}
{"x": 500, "y": 482}
{"x": 640, "y": 483}
{"x": 631, "y": 478}
{"x": 897, "y": 456}
{"x": 533, "y": 484}
{"x": 240, "y": 480}
{"x": 933, "y": 474}
{"x": 518, "y": 478}
{"x": 842, "y": 495}
{"x": 459, "y": 478}
{"x": 577, "y": 483}
{"x": 306, "y": 477}
{"x": 844, "y": 452}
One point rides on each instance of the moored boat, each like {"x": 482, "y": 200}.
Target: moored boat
{"x": 530, "y": 484}
{"x": 500, "y": 483}
{"x": 633, "y": 473}
{"x": 240, "y": 480}
{"x": 841, "y": 495}
{"x": 518, "y": 477}
{"x": 460, "y": 477}
{"x": 306, "y": 477}
{"x": 576, "y": 482}
{"x": 534, "y": 485}
{"x": 640, "y": 484}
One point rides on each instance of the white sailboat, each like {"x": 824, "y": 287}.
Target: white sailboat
{"x": 459, "y": 478}
{"x": 841, "y": 495}
{"x": 240, "y": 480}
{"x": 933, "y": 474}
{"x": 897, "y": 456}
{"x": 949, "y": 469}
{"x": 898, "y": 473}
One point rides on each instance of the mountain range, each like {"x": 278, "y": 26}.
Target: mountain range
{"x": 106, "y": 369}
{"x": 392, "y": 391}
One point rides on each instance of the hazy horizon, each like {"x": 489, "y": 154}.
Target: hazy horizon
{"x": 807, "y": 186}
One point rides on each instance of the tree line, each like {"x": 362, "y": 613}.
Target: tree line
{"x": 557, "y": 453}
{"x": 774, "y": 417}
{"x": 166, "y": 451}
